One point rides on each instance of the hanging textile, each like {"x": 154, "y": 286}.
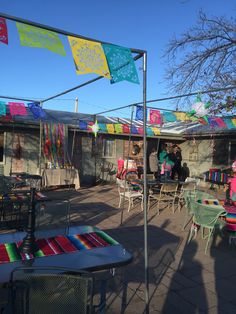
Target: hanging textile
{"x": 3, "y": 31}
{"x": 149, "y": 132}
{"x": 155, "y": 117}
{"x": 212, "y": 122}
{"x": 140, "y": 130}
{"x": 110, "y": 128}
{"x": 121, "y": 64}
{"x": 32, "y": 36}
{"x": 2, "y": 108}
{"x": 156, "y": 131}
{"x": 55, "y": 144}
{"x": 229, "y": 123}
{"x": 181, "y": 116}
{"x": 126, "y": 128}
{"x": 89, "y": 57}
{"x": 103, "y": 127}
{"x": 17, "y": 109}
{"x": 220, "y": 122}
{"x": 134, "y": 129}
{"x": 83, "y": 125}
{"x": 37, "y": 111}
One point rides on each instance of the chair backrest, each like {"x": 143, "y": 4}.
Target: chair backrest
{"x": 169, "y": 187}
{"x": 50, "y": 290}
{"x": 206, "y": 215}
{"x": 189, "y": 186}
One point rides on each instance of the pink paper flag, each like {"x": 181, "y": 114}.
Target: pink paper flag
{"x": 3, "y": 31}
{"x": 155, "y": 116}
{"x": 220, "y": 122}
{"x": 17, "y": 108}
{"x": 140, "y": 130}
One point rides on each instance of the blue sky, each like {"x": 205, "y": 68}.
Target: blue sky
{"x": 147, "y": 25}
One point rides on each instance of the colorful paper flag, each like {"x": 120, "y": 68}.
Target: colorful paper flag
{"x": 134, "y": 130}
{"x": 155, "y": 117}
{"x": 110, "y": 128}
{"x": 156, "y": 131}
{"x": 3, "y": 31}
{"x": 149, "y": 131}
{"x": 17, "y": 108}
{"x": 37, "y": 111}
{"x": 181, "y": 116}
{"x": 121, "y": 64}
{"x": 139, "y": 113}
{"x": 103, "y": 127}
{"x": 83, "y": 125}
{"x": 32, "y": 36}
{"x": 212, "y": 122}
{"x": 229, "y": 123}
{"x": 168, "y": 116}
{"x": 89, "y": 57}
{"x": 3, "y": 110}
{"x": 140, "y": 130}
{"x": 233, "y": 121}
{"x": 126, "y": 128}
{"x": 118, "y": 128}
{"x": 220, "y": 122}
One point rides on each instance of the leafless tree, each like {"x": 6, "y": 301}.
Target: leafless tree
{"x": 204, "y": 58}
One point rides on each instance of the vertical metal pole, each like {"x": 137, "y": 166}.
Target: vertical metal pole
{"x": 145, "y": 182}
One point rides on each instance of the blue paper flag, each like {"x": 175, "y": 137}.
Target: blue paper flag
{"x": 229, "y": 123}
{"x": 36, "y": 110}
{"x": 121, "y": 64}
{"x": 212, "y": 122}
{"x": 83, "y": 125}
{"x": 133, "y": 130}
{"x": 139, "y": 113}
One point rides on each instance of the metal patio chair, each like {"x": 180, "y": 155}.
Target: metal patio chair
{"x": 127, "y": 193}
{"x": 48, "y": 290}
{"x": 206, "y": 218}
{"x": 168, "y": 194}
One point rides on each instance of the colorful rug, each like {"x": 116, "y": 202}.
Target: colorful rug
{"x": 10, "y": 252}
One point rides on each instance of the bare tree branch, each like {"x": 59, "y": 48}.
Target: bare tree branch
{"x": 204, "y": 57}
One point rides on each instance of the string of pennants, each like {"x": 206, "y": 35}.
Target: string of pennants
{"x": 156, "y": 118}
{"x": 110, "y": 61}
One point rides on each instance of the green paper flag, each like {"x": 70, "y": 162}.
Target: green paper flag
{"x": 32, "y": 36}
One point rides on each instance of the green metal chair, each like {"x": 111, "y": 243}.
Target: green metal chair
{"x": 206, "y": 217}
{"x": 189, "y": 196}
{"x": 48, "y": 290}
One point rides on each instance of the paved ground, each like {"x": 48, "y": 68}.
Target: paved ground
{"x": 182, "y": 278}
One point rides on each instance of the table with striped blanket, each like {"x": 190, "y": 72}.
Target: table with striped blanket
{"x": 83, "y": 247}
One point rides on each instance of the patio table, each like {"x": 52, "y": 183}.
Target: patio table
{"x": 94, "y": 259}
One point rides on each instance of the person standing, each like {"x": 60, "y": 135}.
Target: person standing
{"x": 176, "y": 157}
{"x": 153, "y": 162}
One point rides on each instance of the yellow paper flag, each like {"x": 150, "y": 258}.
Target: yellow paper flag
{"x": 181, "y": 116}
{"x": 110, "y": 128}
{"x": 89, "y": 57}
{"x": 156, "y": 131}
{"x": 233, "y": 121}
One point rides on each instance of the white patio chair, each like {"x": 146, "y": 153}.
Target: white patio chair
{"x": 126, "y": 193}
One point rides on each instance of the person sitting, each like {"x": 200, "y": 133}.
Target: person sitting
{"x": 166, "y": 163}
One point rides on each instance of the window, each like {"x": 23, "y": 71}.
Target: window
{"x": 109, "y": 148}
{"x": 1, "y": 146}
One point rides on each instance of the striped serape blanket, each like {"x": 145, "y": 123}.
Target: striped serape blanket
{"x": 10, "y": 252}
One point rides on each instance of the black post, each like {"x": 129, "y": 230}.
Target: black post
{"x": 29, "y": 244}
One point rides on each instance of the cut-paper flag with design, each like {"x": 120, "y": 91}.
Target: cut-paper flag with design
{"x": 139, "y": 113}
{"x": 3, "y": 31}
{"x": 155, "y": 117}
{"x": 118, "y": 128}
{"x": 3, "y": 111}
{"x": 37, "y": 111}
{"x": 110, "y": 128}
{"x": 32, "y": 36}
{"x": 199, "y": 108}
{"x": 169, "y": 116}
{"x": 95, "y": 128}
{"x": 121, "y": 64}
{"x": 89, "y": 57}
{"x": 17, "y": 109}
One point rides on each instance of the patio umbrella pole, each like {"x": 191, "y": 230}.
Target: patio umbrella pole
{"x": 145, "y": 182}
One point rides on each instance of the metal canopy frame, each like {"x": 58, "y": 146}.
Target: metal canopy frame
{"x": 140, "y": 54}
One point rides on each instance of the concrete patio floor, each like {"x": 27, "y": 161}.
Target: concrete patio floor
{"x": 183, "y": 279}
